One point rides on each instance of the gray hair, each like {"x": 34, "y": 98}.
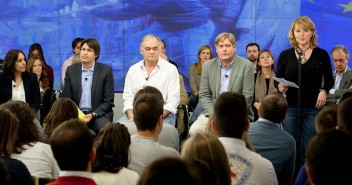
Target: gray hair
{"x": 343, "y": 48}
{"x": 147, "y": 37}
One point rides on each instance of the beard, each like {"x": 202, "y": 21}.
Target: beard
{"x": 252, "y": 58}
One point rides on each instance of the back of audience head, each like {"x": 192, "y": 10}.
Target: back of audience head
{"x": 112, "y": 148}
{"x": 344, "y": 118}
{"x": 171, "y": 171}
{"x": 345, "y": 95}
{"x": 147, "y": 108}
{"x": 8, "y": 132}
{"x": 327, "y": 155}
{"x": 27, "y": 131}
{"x": 273, "y": 108}
{"x": 201, "y": 172}
{"x": 230, "y": 115}
{"x": 63, "y": 109}
{"x": 72, "y": 146}
{"x": 208, "y": 148}
{"x": 326, "y": 119}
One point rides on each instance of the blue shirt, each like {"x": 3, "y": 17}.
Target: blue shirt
{"x": 225, "y": 74}
{"x": 86, "y": 99}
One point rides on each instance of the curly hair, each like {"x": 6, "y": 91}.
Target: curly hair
{"x": 27, "y": 131}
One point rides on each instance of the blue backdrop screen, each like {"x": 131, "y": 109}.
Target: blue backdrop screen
{"x": 185, "y": 25}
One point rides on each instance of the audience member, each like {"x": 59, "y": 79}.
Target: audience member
{"x": 152, "y": 71}
{"x": 37, "y": 50}
{"x": 72, "y": 145}
{"x": 205, "y": 53}
{"x": 171, "y": 171}
{"x": 328, "y": 152}
{"x": 76, "y": 49}
{"x": 208, "y": 148}
{"x": 90, "y": 85}
{"x": 112, "y": 156}
{"x": 163, "y": 51}
{"x": 264, "y": 79}
{"x": 252, "y": 50}
{"x": 16, "y": 83}
{"x": 148, "y": 117}
{"x": 326, "y": 120}
{"x": 29, "y": 149}
{"x": 62, "y": 110}
{"x": 227, "y": 72}
{"x": 271, "y": 141}
{"x": 201, "y": 172}
{"x": 315, "y": 69}
{"x": 342, "y": 74}
{"x": 12, "y": 170}
{"x": 344, "y": 118}
{"x": 230, "y": 121}
{"x": 345, "y": 96}
{"x": 36, "y": 65}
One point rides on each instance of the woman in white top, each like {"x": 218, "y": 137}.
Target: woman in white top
{"x": 37, "y": 156}
{"x": 112, "y": 151}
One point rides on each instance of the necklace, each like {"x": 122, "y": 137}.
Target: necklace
{"x": 304, "y": 59}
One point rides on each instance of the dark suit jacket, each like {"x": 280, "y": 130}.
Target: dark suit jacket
{"x": 345, "y": 83}
{"x": 102, "y": 87}
{"x": 31, "y": 88}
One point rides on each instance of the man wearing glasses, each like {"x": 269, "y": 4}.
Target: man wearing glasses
{"x": 152, "y": 71}
{"x": 227, "y": 72}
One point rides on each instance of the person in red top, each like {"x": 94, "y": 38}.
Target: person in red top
{"x": 73, "y": 150}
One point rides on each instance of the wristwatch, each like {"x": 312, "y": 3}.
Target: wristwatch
{"x": 94, "y": 115}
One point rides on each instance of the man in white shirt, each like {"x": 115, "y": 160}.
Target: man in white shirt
{"x": 152, "y": 71}
{"x": 342, "y": 74}
{"x": 230, "y": 122}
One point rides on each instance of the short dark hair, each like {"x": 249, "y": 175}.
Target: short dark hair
{"x": 253, "y": 44}
{"x": 147, "y": 108}
{"x": 8, "y": 64}
{"x": 93, "y": 44}
{"x": 112, "y": 146}
{"x": 76, "y": 41}
{"x": 344, "y": 118}
{"x": 326, "y": 119}
{"x": 273, "y": 108}
{"x": 327, "y": 152}
{"x": 230, "y": 114}
{"x": 71, "y": 143}
{"x": 169, "y": 170}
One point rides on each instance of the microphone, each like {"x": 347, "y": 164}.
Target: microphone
{"x": 226, "y": 76}
{"x": 299, "y": 51}
{"x": 86, "y": 78}
{"x": 14, "y": 85}
{"x": 147, "y": 78}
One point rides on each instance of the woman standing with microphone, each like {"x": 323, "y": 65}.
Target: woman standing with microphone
{"x": 309, "y": 66}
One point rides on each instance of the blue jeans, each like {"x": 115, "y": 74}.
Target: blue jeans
{"x": 306, "y": 129}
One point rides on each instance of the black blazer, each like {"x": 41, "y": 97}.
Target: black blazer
{"x": 31, "y": 88}
{"x": 102, "y": 90}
